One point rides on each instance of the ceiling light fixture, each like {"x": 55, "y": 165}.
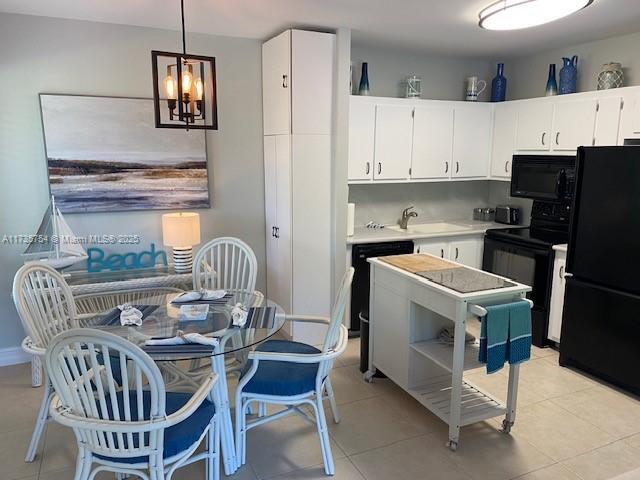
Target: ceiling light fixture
{"x": 517, "y": 14}
{"x": 186, "y": 96}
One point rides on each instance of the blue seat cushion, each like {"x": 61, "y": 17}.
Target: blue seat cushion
{"x": 282, "y": 378}
{"x": 176, "y": 438}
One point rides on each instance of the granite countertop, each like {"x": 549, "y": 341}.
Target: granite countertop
{"x": 373, "y": 235}
{"x": 466, "y": 280}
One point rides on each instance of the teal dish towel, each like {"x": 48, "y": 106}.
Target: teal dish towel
{"x": 505, "y": 335}
{"x": 519, "y": 332}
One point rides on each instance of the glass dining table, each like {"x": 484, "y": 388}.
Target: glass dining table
{"x": 163, "y": 319}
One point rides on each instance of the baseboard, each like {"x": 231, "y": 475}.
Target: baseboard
{"x": 13, "y": 356}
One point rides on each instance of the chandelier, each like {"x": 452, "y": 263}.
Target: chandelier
{"x": 184, "y": 88}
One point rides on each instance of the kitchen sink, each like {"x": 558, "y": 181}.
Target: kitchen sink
{"x": 435, "y": 227}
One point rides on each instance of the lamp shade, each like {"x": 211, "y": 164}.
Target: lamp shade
{"x": 181, "y": 229}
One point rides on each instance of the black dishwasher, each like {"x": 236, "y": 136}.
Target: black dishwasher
{"x": 360, "y": 288}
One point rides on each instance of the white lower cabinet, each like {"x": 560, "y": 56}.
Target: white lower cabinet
{"x": 468, "y": 252}
{"x": 434, "y": 247}
{"x": 464, "y": 250}
{"x": 557, "y": 296}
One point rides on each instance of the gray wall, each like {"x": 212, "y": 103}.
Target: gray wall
{"x": 63, "y": 56}
{"x": 433, "y": 201}
{"x": 527, "y": 76}
{"x": 442, "y": 78}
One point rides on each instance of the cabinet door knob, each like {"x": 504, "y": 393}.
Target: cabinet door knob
{"x": 273, "y": 232}
{"x": 561, "y": 272}
{"x": 457, "y": 253}
{"x": 285, "y": 83}
{"x": 446, "y": 167}
{"x": 442, "y": 253}
{"x": 557, "y": 137}
{"x": 544, "y": 134}
{"x": 418, "y": 250}
{"x": 368, "y": 168}
{"x": 457, "y": 167}
{"x": 379, "y": 168}
{"x": 506, "y": 166}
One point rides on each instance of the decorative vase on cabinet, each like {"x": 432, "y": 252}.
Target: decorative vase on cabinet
{"x": 552, "y": 85}
{"x": 611, "y": 76}
{"x": 569, "y": 75}
{"x": 363, "y": 89}
{"x": 499, "y": 85}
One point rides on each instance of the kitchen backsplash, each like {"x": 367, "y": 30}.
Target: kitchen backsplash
{"x": 384, "y": 203}
{"x": 433, "y": 201}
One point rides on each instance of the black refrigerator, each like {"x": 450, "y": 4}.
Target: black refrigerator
{"x": 601, "y": 319}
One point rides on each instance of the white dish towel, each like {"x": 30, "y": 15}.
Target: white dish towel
{"x": 182, "y": 339}
{"x": 130, "y": 315}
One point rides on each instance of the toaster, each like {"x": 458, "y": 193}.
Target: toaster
{"x": 507, "y": 214}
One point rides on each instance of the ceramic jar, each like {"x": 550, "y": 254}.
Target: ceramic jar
{"x": 611, "y": 76}
{"x": 568, "y": 75}
{"x": 499, "y": 85}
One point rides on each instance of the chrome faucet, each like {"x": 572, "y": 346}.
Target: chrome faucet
{"x": 406, "y": 215}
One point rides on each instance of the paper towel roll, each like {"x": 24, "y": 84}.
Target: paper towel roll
{"x": 351, "y": 218}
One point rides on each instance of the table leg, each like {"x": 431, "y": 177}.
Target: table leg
{"x": 221, "y": 400}
{"x": 512, "y": 398}
{"x": 456, "y": 374}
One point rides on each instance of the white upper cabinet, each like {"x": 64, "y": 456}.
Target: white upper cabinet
{"x": 296, "y": 83}
{"x": 393, "y": 138}
{"x": 607, "y": 121}
{"x": 311, "y": 82}
{"x": 533, "y": 129}
{"x": 505, "y": 117}
{"x": 276, "y": 84}
{"x": 472, "y": 141}
{"x": 432, "y": 142}
{"x": 630, "y": 117}
{"x": 573, "y": 124}
{"x": 362, "y": 127}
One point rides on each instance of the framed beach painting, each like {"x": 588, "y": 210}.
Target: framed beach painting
{"x": 104, "y": 154}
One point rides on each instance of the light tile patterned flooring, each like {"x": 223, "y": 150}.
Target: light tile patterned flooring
{"x": 569, "y": 427}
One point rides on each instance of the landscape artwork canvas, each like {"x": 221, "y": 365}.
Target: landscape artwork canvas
{"x": 104, "y": 154}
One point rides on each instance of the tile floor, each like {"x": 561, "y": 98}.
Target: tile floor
{"x": 569, "y": 427}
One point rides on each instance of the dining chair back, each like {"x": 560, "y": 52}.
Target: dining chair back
{"x": 44, "y": 302}
{"x": 225, "y": 263}
{"x": 112, "y": 394}
{"x": 46, "y": 308}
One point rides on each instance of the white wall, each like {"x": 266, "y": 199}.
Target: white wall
{"x": 527, "y": 76}
{"x": 443, "y": 78}
{"x": 63, "y": 56}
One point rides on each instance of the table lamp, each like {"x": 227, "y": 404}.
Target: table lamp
{"x": 181, "y": 231}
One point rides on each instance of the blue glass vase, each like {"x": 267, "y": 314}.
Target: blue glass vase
{"x": 568, "y": 75}
{"x": 552, "y": 85}
{"x": 363, "y": 89}
{"x": 499, "y": 85}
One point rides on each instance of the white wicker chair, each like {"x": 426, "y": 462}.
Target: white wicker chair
{"x": 293, "y": 374}
{"x": 46, "y": 308}
{"x": 227, "y": 263}
{"x": 91, "y": 304}
{"x": 135, "y": 429}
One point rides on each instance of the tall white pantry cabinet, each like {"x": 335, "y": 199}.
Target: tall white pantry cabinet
{"x": 297, "y": 91}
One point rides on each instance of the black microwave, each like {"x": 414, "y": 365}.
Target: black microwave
{"x": 543, "y": 177}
